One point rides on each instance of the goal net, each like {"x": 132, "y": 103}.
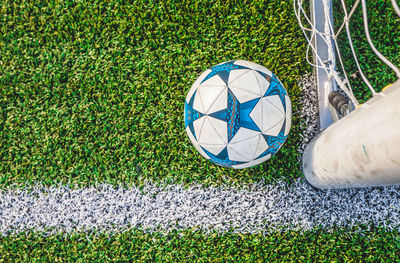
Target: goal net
{"x": 347, "y": 40}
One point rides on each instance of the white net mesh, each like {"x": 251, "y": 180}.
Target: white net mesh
{"x": 326, "y": 55}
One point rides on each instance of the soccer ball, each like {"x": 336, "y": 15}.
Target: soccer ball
{"x": 237, "y": 114}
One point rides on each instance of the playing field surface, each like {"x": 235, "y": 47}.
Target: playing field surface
{"x": 95, "y": 163}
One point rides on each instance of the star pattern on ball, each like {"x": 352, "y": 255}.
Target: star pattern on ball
{"x": 191, "y": 115}
{"x": 275, "y": 88}
{"x": 237, "y": 115}
{"x": 274, "y": 142}
{"x": 223, "y": 71}
{"x": 222, "y": 158}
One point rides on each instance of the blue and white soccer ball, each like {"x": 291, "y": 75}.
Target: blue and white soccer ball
{"x": 237, "y": 114}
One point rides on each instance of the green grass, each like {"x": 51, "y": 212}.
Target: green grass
{"x": 384, "y": 27}
{"x": 93, "y": 91}
{"x": 342, "y": 245}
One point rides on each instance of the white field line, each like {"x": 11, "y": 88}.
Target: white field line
{"x": 262, "y": 208}
{"x": 309, "y": 110}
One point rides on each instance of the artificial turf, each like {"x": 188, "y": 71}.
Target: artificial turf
{"x": 384, "y": 27}
{"x": 319, "y": 245}
{"x": 93, "y": 91}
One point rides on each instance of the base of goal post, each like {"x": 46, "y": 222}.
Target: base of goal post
{"x": 360, "y": 150}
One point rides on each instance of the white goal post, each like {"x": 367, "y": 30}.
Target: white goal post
{"x": 358, "y": 145}
{"x": 362, "y": 149}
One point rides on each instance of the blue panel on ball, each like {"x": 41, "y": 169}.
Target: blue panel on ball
{"x": 223, "y": 71}
{"x": 245, "y": 120}
{"x": 233, "y": 115}
{"x": 274, "y": 142}
{"x": 220, "y": 115}
{"x": 222, "y": 158}
{"x": 191, "y": 115}
{"x": 237, "y": 115}
{"x": 275, "y": 88}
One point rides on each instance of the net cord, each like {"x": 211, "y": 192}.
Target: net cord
{"x": 396, "y": 7}
{"x": 347, "y": 17}
{"x": 334, "y": 74}
{"x": 379, "y": 54}
{"x": 329, "y": 36}
{"x": 347, "y": 25}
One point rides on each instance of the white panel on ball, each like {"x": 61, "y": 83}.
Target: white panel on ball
{"x": 271, "y": 115}
{"x": 213, "y": 81}
{"x": 275, "y": 100}
{"x": 214, "y": 148}
{"x": 242, "y": 63}
{"x": 264, "y": 70}
{"x": 243, "y": 95}
{"x": 198, "y": 126}
{"x": 220, "y": 128}
{"x": 198, "y": 104}
{"x": 288, "y": 115}
{"x": 260, "y": 68}
{"x": 242, "y": 166}
{"x": 263, "y": 83}
{"x": 257, "y": 115}
{"x": 220, "y": 102}
{"x": 244, "y": 134}
{"x": 274, "y": 130}
{"x": 196, "y": 84}
{"x": 234, "y": 155}
{"x": 247, "y": 82}
{"x": 213, "y": 132}
{"x": 261, "y": 160}
{"x": 236, "y": 74}
{"x": 243, "y": 148}
{"x": 266, "y": 115}
{"x": 252, "y": 163}
{"x": 196, "y": 144}
{"x": 261, "y": 146}
{"x": 249, "y": 64}
{"x": 208, "y": 95}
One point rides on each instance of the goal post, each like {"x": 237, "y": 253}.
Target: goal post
{"x": 358, "y": 145}
{"x": 322, "y": 18}
{"x": 360, "y": 150}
